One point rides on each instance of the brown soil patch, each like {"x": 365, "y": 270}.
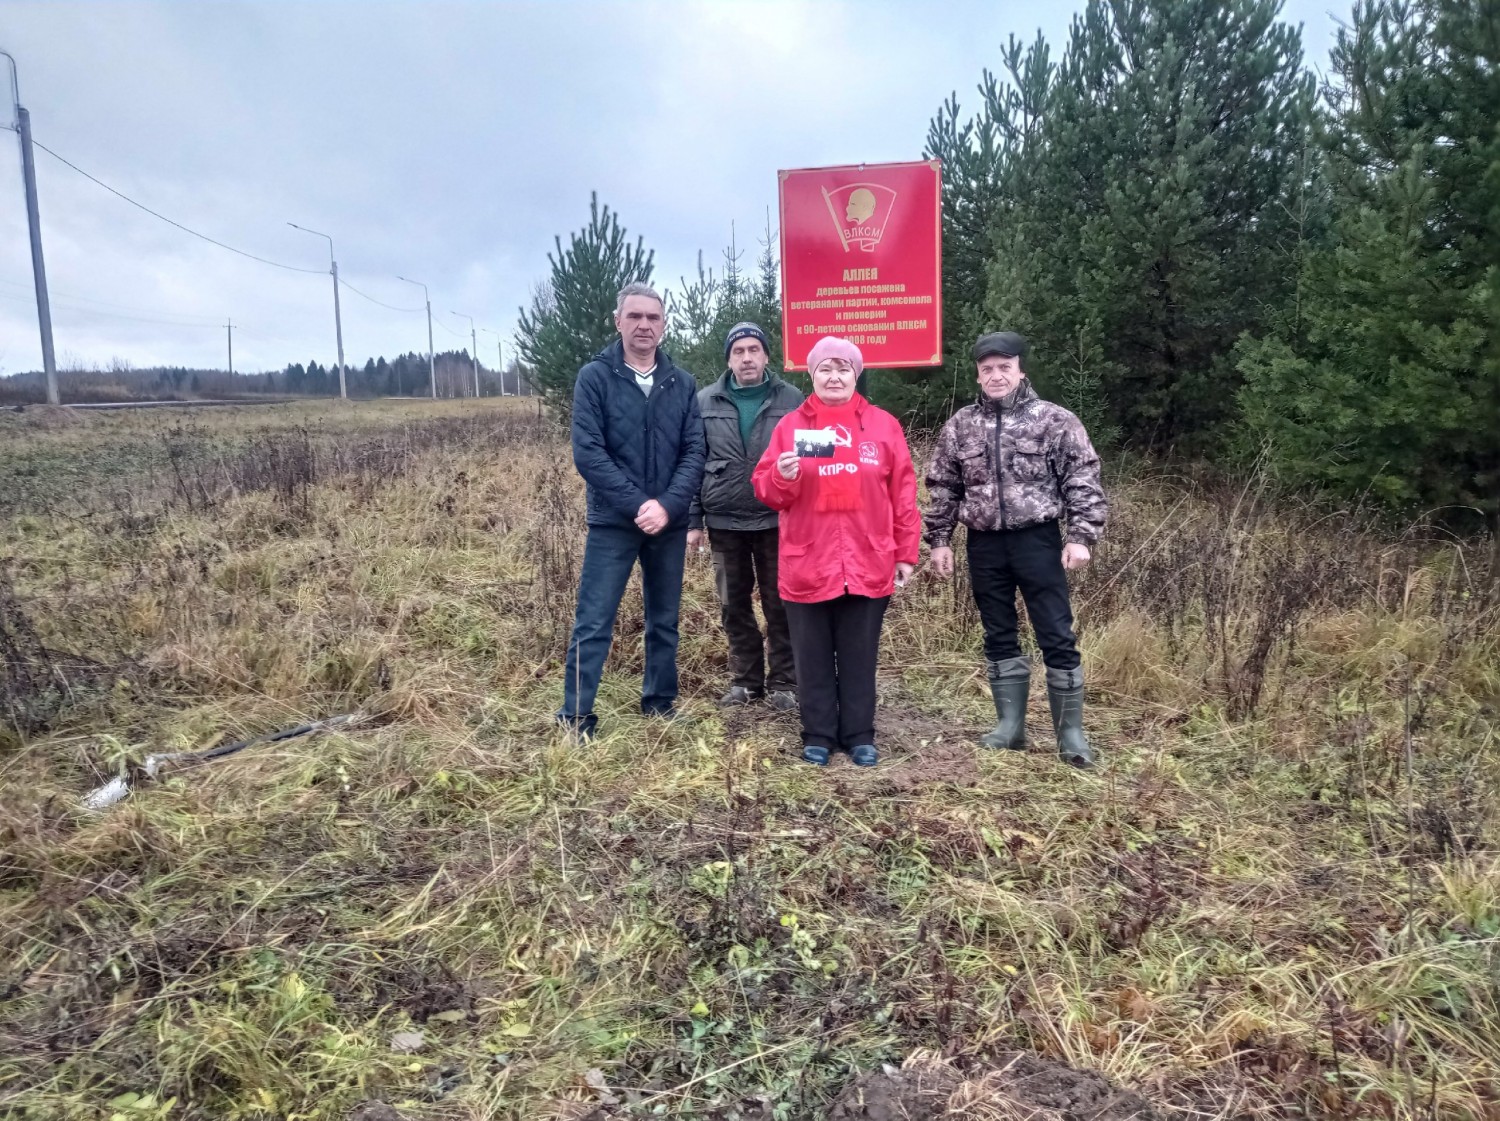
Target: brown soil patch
{"x": 1020, "y": 1087}
{"x": 916, "y": 748}
{"x": 923, "y": 750}
{"x": 920, "y": 1094}
{"x": 941, "y": 762}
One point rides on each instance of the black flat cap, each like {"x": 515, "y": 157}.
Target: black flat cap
{"x": 1007, "y": 344}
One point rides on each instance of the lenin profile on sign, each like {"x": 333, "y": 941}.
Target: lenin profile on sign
{"x": 861, "y": 205}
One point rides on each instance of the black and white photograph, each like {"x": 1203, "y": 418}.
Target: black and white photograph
{"x": 813, "y": 443}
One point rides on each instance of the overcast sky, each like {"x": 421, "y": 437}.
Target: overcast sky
{"x": 440, "y": 141}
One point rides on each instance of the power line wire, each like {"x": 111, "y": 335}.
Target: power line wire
{"x": 212, "y": 241}
{"x": 164, "y": 218}
{"x": 65, "y": 305}
{"x": 373, "y": 300}
{"x": 85, "y": 311}
{"x": 69, "y": 297}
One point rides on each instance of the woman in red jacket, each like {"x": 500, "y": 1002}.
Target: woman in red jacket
{"x": 839, "y": 472}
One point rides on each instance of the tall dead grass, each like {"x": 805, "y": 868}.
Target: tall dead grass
{"x": 1278, "y": 895}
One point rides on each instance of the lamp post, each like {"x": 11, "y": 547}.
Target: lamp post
{"x": 338, "y": 325}
{"x": 474, "y": 343}
{"x": 431, "y": 369}
{"x": 499, "y": 361}
{"x": 34, "y": 226}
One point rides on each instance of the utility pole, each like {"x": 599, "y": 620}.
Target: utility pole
{"x": 499, "y": 361}
{"x": 338, "y": 323}
{"x": 229, "y": 330}
{"x": 474, "y": 343}
{"x": 34, "y": 225}
{"x": 431, "y": 368}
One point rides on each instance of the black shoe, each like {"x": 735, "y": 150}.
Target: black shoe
{"x": 738, "y": 695}
{"x": 816, "y": 755}
{"x": 782, "y": 700}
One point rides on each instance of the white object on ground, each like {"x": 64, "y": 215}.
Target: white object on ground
{"x": 115, "y": 790}
{"x": 118, "y": 789}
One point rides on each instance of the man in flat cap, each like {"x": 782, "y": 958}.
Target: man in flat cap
{"x": 740, "y": 411}
{"x": 1010, "y": 467}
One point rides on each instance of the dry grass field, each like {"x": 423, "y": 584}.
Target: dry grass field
{"x": 1279, "y": 895}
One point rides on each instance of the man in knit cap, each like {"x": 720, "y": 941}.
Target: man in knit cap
{"x": 740, "y": 411}
{"x": 1010, "y": 468}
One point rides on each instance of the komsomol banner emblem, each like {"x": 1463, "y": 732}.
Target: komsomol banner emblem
{"x": 860, "y": 212}
{"x": 861, "y": 258}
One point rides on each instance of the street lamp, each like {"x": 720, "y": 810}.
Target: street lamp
{"x": 338, "y": 325}
{"x": 22, "y": 128}
{"x": 431, "y": 369}
{"x": 499, "y": 361}
{"x": 473, "y": 342}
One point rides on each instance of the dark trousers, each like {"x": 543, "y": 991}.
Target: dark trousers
{"x": 611, "y": 552}
{"x": 744, "y": 559}
{"x": 1029, "y": 559}
{"x": 836, "y": 644}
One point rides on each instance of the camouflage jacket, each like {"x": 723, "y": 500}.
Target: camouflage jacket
{"x": 1013, "y": 465}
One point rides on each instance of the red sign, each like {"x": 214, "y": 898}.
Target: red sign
{"x": 862, "y": 258}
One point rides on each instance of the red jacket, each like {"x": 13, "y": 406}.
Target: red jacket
{"x": 825, "y": 554}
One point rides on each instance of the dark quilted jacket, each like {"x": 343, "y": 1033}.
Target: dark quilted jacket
{"x": 631, "y": 448}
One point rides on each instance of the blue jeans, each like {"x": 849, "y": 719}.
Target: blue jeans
{"x": 608, "y": 557}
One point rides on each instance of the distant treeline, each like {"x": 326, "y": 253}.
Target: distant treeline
{"x": 406, "y": 375}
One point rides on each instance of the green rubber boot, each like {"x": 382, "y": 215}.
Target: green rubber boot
{"x": 1065, "y": 698}
{"x": 1010, "y": 685}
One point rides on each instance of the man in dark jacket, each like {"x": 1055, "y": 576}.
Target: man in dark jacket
{"x": 1009, "y": 468}
{"x": 740, "y": 411}
{"x": 638, "y": 443}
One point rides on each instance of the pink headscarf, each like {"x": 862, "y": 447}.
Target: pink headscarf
{"x": 831, "y": 346}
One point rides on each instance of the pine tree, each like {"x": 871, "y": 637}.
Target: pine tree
{"x": 705, "y": 310}
{"x": 692, "y": 313}
{"x": 1390, "y": 386}
{"x": 734, "y": 278}
{"x": 1080, "y": 384}
{"x": 985, "y": 161}
{"x": 572, "y": 317}
{"x": 1134, "y": 204}
{"x": 766, "y": 295}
